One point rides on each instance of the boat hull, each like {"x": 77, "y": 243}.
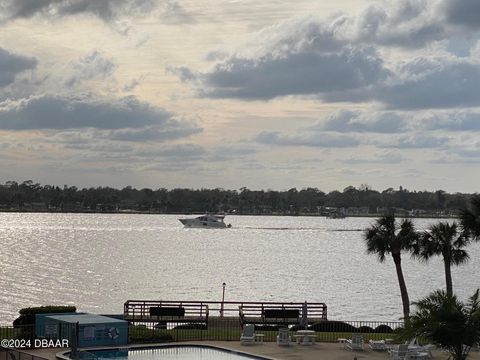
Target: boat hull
{"x": 199, "y": 224}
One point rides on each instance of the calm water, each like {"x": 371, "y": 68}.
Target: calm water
{"x": 171, "y": 353}
{"x": 97, "y": 262}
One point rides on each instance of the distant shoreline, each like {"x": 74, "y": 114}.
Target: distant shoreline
{"x": 137, "y": 212}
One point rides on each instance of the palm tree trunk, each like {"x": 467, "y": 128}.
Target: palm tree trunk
{"x": 403, "y": 287}
{"x": 448, "y": 276}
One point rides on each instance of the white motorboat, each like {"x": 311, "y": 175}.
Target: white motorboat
{"x": 206, "y": 221}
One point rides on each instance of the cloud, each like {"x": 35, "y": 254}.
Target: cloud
{"x": 394, "y": 122}
{"x": 12, "y": 64}
{"x": 382, "y": 158}
{"x": 407, "y": 23}
{"x": 229, "y": 153}
{"x": 91, "y": 66}
{"x": 433, "y": 83}
{"x": 462, "y": 12}
{"x": 297, "y": 57}
{"x": 173, "y": 13}
{"x": 169, "y": 131}
{"x": 68, "y": 78}
{"x": 453, "y": 121}
{"x": 174, "y": 151}
{"x": 415, "y": 141}
{"x": 50, "y": 112}
{"x": 100, "y": 148}
{"x": 323, "y": 140}
{"x": 297, "y": 74}
{"x": 357, "y": 121}
{"x": 106, "y": 10}
{"x": 340, "y": 58}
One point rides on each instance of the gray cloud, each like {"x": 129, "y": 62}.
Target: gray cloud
{"x": 462, "y": 12}
{"x": 49, "y": 112}
{"x": 382, "y": 158}
{"x": 169, "y": 131}
{"x": 457, "y": 121}
{"x": 12, "y": 64}
{"x": 407, "y": 23}
{"x": 298, "y": 57}
{"x": 415, "y": 141}
{"x": 229, "y": 153}
{"x": 93, "y": 65}
{"x": 100, "y": 148}
{"x": 357, "y": 121}
{"x": 394, "y": 122}
{"x": 174, "y": 13}
{"x": 297, "y": 74}
{"x": 433, "y": 83}
{"x": 323, "y": 140}
{"x": 333, "y": 58}
{"x": 175, "y": 151}
{"x": 105, "y": 9}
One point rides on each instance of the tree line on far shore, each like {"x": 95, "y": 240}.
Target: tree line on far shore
{"x": 363, "y": 200}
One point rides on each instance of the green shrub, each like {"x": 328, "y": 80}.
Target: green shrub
{"x": 141, "y": 333}
{"x": 48, "y": 309}
{"x": 27, "y": 315}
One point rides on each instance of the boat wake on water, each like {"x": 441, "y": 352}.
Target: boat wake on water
{"x": 296, "y": 228}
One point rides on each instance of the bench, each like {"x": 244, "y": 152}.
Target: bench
{"x": 269, "y": 315}
{"x": 167, "y": 311}
{"x": 163, "y": 312}
{"x": 281, "y": 316}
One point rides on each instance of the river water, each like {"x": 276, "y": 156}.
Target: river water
{"x": 98, "y": 261}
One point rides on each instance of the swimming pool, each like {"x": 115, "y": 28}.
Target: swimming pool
{"x": 168, "y": 352}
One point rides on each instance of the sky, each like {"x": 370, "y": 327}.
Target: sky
{"x": 241, "y": 93}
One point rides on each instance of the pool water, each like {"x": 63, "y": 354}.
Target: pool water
{"x": 179, "y": 352}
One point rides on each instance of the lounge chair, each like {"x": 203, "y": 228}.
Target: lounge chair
{"x": 377, "y": 345}
{"x": 248, "y": 334}
{"x": 400, "y": 353}
{"x": 415, "y": 347}
{"x": 283, "y": 337}
{"x": 355, "y": 343}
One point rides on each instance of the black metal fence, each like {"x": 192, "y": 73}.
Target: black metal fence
{"x": 229, "y": 329}
{"x": 12, "y": 354}
{"x": 217, "y": 329}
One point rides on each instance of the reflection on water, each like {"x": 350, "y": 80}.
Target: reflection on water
{"x": 97, "y": 262}
{"x": 171, "y": 353}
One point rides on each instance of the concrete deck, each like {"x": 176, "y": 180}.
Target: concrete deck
{"x": 271, "y": 350}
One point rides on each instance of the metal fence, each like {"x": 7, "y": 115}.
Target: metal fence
{"x": 218, "y": 329}
{"x": 229, "y": 329}
{"x": 12, "y": 354}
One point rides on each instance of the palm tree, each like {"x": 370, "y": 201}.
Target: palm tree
{"x": 470, "y": 219}
{"x": 447, "y": 322}
{"x": 387, "y": 237}
{"x": 443, "y": 239}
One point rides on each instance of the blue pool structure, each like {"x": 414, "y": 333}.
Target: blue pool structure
{"x": 90, "y": 329}
{"x": 167, "y": 352}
